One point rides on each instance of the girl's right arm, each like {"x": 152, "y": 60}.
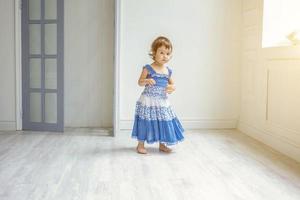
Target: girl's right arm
{"x": 143, "y": 80}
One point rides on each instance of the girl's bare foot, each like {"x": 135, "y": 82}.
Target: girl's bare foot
{"x": 164, "y": 148}
{"x": 140, "y": 148}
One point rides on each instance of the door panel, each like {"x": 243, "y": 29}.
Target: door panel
{"x": 42, "y": 65}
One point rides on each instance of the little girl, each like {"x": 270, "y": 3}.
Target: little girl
{"x": 155, "y": 121}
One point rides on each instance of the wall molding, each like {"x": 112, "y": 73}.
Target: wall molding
{"x": 275, "y": 141}
{"x": 281, "y": 53}
{"x": 7, "y": 125}
{"x": 272, "y": 126}
{"x": 282, "y": 132}
{"x": 193, "y": 124}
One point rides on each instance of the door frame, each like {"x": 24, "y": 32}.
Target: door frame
{"x": 18, "y": 63}
{"x": 116, "y": 105}
{"x": 18, "y": 66}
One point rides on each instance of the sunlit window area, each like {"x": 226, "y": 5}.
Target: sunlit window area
{"x": 281, "y": 23}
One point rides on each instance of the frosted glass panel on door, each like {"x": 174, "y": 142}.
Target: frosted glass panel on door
{"x": 50, "y": 73}
{"x": 50, "y": 107}
{"x": 35, "y": 107}
{"x": 35, "y": 38}
{"x": 34, "y": 9}
{"x": 50, "y": 39}
{"x": 50, "y": 9}
{"x": 35, "y": 72}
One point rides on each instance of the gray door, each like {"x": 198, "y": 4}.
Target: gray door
{"x": 42, "y": 65}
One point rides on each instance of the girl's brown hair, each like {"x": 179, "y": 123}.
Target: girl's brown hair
{"x": 158, "y": 42}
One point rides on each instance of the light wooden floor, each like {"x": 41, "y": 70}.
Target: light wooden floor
{"x": 220, "y": 164}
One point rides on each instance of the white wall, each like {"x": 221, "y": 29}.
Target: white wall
{"x": 270, "y": 109}
{"x": 7, "y": 66}
{"x": 206, "y": 38}
{"x": 89, "y": 50}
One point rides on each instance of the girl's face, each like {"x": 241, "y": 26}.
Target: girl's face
{"x": 162, "y": 55}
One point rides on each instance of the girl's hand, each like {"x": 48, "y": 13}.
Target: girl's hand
{"x": 170, "y": 88}
{"x": 150, "y": 81}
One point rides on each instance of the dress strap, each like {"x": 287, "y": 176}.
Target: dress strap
{"x": 150, "y": 69}
{"x": 170, "y": 71}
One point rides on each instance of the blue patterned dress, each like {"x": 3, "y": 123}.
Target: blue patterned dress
{"x": 155, "y": 121}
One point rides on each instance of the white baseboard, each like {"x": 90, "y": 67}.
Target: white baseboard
{"x": 193, "y": 124}
{"x": 276, "y": 142}
{"x": 7, "y": 126}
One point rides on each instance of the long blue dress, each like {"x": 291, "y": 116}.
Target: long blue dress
{"x": 155, "y": 120}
